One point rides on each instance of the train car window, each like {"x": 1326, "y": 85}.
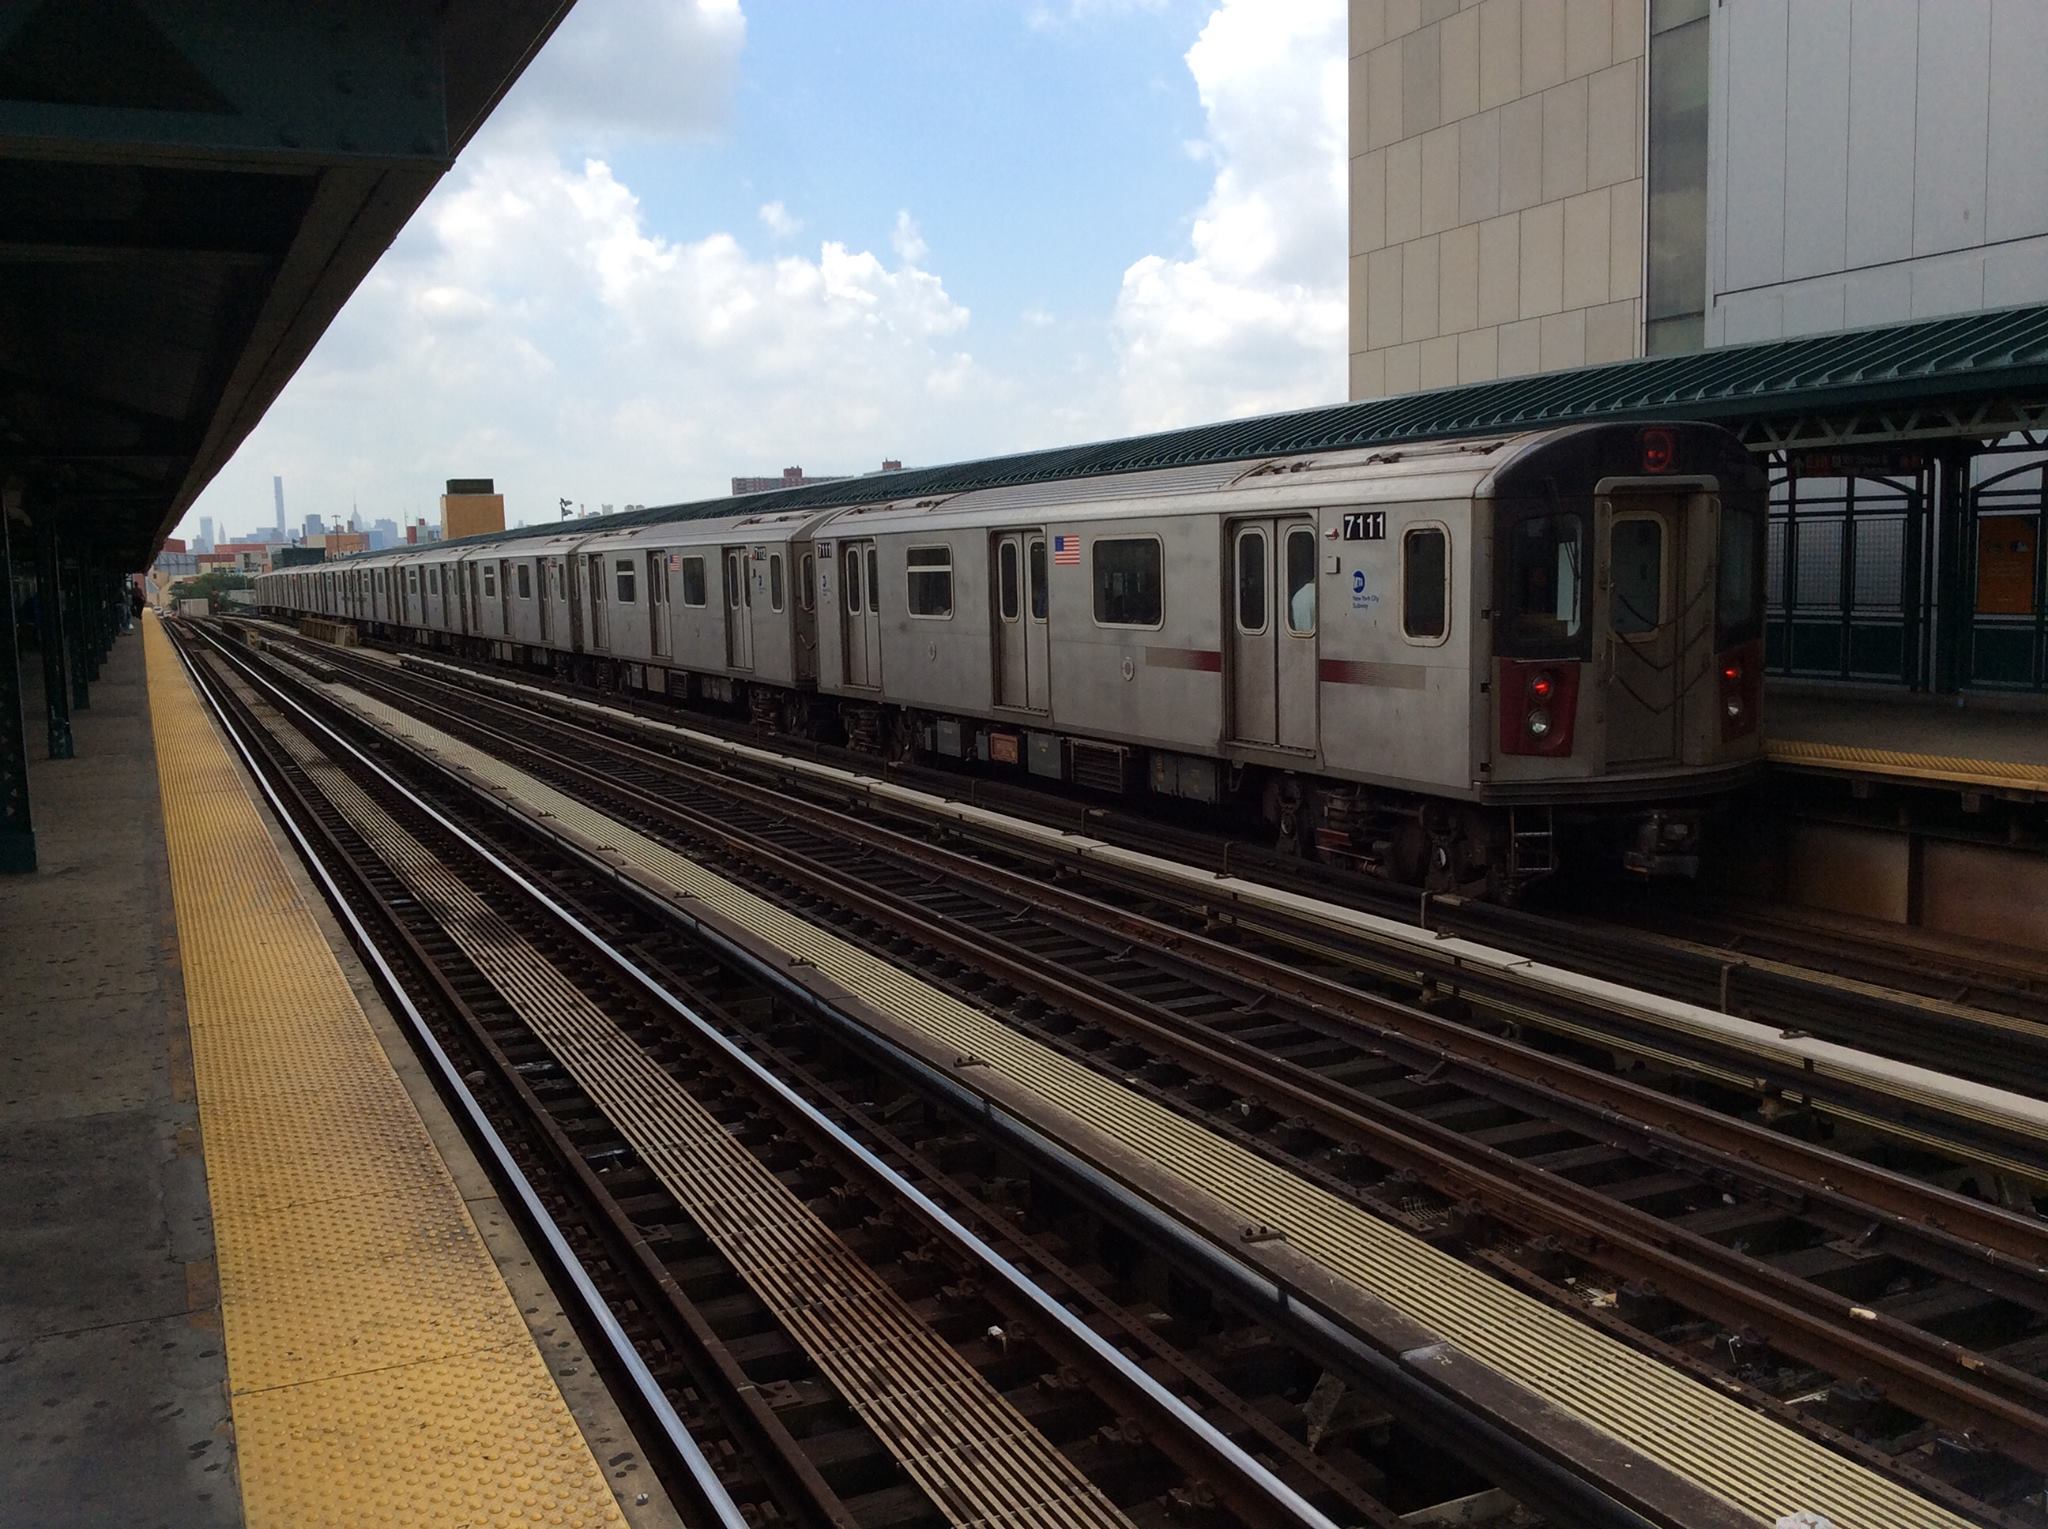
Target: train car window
{"x": 525, "y": 582}
{"x": 929, "y": 574}
{"x": 732, "y": 581}
{"x": 490, "y": 581}
{"x": 1425, "y": 583}
{"x": 412, "y": 581}
{"x": 853, "y": 603}
{"x": 1544, "y": 587}
{"x": 693, "y": 581}
{"x": 1738, "y": 611}
{"x": 1251, "y": 580}
{"x": 775, "y": 581}
{"x": 433, "y": 581}
{"x": 807, "y": 580}
{"x": 1006, "y": 579}
{"x": 623, "y": 569}
{"x": 1301, "y": 581}
{"x": 1128, "y": 587}
{"x": 1636, "y": 584}
{"x": 1038, "y": 594}
{"x": 874, "y": 578}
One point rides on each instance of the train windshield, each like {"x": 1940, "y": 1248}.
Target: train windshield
{"x": 1738, "y": 587}
{"x": 1544, "y": 591}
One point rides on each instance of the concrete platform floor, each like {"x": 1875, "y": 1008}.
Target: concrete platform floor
{"x": 113, "y": 1395}
{"x": 113, "y": 1376}
{"x": 2010, "y": 730}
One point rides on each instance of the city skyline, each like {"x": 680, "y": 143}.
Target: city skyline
{"x": 638, "y": 282}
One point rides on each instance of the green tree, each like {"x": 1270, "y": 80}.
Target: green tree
{"x": 210, "y": 586}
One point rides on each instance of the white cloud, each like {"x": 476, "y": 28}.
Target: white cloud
{"x": 907, "y": 241}
{"x": 661, "y": 69}
{"x": 779, "y": 221}
{"x": 530, "y": 327}
{"x": 1253, "y": 317}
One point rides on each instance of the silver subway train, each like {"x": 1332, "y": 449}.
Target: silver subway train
{"x": 1441, "y": 662}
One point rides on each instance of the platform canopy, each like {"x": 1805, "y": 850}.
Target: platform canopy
{"x": 190, "y": 194}
{"x": 1978, "y": 376}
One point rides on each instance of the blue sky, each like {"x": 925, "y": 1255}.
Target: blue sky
{"x": 702, "y": 238}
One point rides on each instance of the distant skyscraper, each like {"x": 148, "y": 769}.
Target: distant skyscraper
{"x": 277, "y": 493}
{"x": 204, "y": 541}
{"x": 383, "y": 534}
{"x": 315, "y": 526}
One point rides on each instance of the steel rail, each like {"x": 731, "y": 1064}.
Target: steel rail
{"x": 1278, "y": 1494}
{"x": 1802, "y": 1001}
{"x": 528, "y": 746}
{"x": 1932, "y": 1376}
{"x": 647, "y": 1390}
{"x": 655, "y": 1286}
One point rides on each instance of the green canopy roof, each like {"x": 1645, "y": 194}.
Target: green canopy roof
{"x": 1949, "y": 361}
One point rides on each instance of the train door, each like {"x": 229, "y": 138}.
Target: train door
{"x": 739, "y": 609}
{"x": 1023, "y": 663}
{"x": 657, "y": 604}
{"x": 594, "y": 595}
{"x": 861, "y": 617}
{"x": 1641, "y": 577}
{"x": 473, "y": 607}
{"x": 1272, "y": 639}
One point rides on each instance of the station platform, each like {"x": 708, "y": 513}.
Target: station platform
{"x": 1996, "y": 745}
{"x": 251, "y": 1273}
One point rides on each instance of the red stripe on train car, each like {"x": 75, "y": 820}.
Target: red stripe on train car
{"x": 1205, "y": 660}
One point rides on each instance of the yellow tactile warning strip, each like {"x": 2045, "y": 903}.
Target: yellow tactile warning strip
{"x": 380, "y": 1372}
{"x": 978, "y": 1459}
{"x": 1992, "y": 774}
{"x": 1756, "y": 1464}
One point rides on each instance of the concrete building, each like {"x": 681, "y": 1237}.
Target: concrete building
{"x": 1541, "y": 184}
{"x": 792, "y": 477}
{"x": 471, "y": 507}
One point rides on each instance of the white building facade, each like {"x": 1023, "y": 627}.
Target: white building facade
{"x": 1542, "y": 184}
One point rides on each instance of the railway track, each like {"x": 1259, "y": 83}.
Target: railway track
{"x": 1186, "y": 1426}
{"x": 1828, "y": 1306}
{"x": 1980, "y": 1014}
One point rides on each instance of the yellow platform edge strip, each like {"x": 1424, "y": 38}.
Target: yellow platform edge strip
{"x": 1943, "y": 768}
{"x": 379, "y": 1369}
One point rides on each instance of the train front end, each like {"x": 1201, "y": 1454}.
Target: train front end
{"x": 1626, "y": 683}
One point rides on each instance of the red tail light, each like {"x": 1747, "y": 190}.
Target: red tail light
{"x": 1740, "y": 693}
{"x": 1538, "y": 707}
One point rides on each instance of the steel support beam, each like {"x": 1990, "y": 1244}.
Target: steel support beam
{"x": 17, "y": 828}
{"x": 71, "y": 576}
{"x": 50, "y": 633}
{"x": 1952, "y": 581}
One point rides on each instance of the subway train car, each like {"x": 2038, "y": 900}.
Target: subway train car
{"x": 1448, "y": 663}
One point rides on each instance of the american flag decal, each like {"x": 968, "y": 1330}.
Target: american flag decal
{"x": 1067, "y": 550}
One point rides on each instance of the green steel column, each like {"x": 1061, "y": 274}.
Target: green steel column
{"x": 72, "y": 577}
{"x": 93, "y": 628}
{"x": 50, "y": 633}
{"x": 17, "y": 828}
{"x": 1953, "y": 583}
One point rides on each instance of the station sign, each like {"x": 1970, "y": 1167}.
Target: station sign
{"x": 1857, "y": 462}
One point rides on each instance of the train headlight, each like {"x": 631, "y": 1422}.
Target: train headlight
{"x": 1733, "y": 707}
{"x": 1539, "y": 723}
